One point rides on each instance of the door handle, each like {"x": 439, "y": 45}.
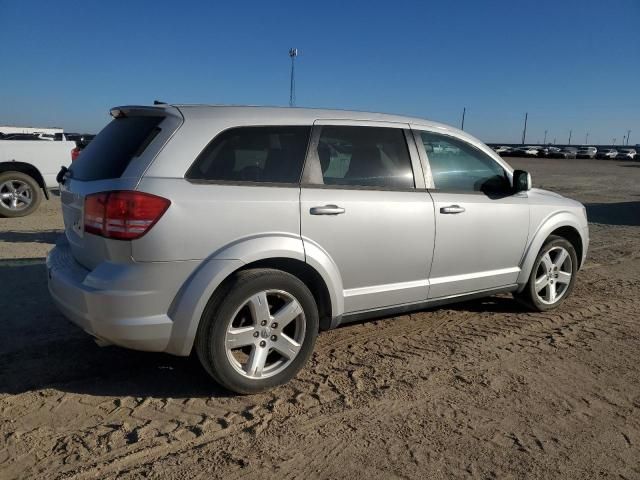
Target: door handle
{"x": 452, "y": 209}
{"x": 326, "y": 210}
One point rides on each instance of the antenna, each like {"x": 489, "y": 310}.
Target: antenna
{"x": 293, "y": 53}
{"x": 464, "y": 111}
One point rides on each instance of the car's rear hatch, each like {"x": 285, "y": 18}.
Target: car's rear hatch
{"x": 115, "y": 160}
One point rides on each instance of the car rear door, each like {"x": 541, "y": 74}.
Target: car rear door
{"x": 364, "y": 205}
{"x": 481, "y": 226}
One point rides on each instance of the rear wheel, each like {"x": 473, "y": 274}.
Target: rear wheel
{"x": 553, "y": 275}
{"x": 258, "y": 330}
{"x": 19, "y": 194}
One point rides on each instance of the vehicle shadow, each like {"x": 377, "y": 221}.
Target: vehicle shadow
{"x": 31, "y": 236}
{"x": 622, "y": 213}
{"x": 498, "y": 304}
{"x": 503, "y": 303}
{"x": 634, "y": 165}
{"x": 40, "y": 349}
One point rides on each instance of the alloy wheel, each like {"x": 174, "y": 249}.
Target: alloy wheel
{"x": 15, "y": 195}
{"x": 265, "y": 334}
{"x": 553, "y": 275}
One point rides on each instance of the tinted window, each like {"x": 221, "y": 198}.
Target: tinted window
{"x": 365, "y": 156}
{"x": 114, "y": 147}
{"x": 253, "y": 154}
{"x": 456, "y": 165}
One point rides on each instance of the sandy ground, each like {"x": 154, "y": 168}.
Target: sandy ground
{"x": 478, "y": 390}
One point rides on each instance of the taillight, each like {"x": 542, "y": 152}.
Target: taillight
{"x": 74, "y": 153}
{"x": 122, "y": 215}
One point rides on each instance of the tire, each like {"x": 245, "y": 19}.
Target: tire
{"x": 537, "y": 293}
{"x": 232, "y": 341}
{"x": 27, "y": 189}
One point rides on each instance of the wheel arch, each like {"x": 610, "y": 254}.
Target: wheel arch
{"x": 279, "y": 251}
{"x": 27, "y": 169}
{"x": 562, "y": 224}
{"x": 572, "y": 235}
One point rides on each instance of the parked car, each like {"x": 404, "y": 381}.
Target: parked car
{"x": 626, "y": 154}
{"x": 81, "y": 144}
{"x": 532, "y": 151}
{"x": 239, "y": 232}
{"x": 607, "y": 153}
{"x": 502, "y": 149}
{"x": 566, "y": 152}
{"x": 28, "y": 168}
{"x": 586, "y": 152}
{"x": 22, "y": 136}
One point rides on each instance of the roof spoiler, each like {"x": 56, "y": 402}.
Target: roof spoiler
{"x": 144, "y": 111}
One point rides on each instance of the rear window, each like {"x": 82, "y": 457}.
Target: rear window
{"x": 253, "y": 154}
{"x": 109, "y": 154}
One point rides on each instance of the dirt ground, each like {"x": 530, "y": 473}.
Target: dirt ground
{"x": 479, "y": 390}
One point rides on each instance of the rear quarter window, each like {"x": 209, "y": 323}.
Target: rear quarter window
{"x": 253, "y": 154}
{"x": 111, "y": 151}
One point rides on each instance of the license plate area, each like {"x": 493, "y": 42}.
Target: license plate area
{"x": 73, "y": 213}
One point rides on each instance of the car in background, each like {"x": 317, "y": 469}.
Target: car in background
{"x": 527, "y": 151}
{"x": 587, "y": 152}
{"x": 607, "y": 153}
{"x": 22, "y": 136}
{"x": 532, "y": 151}
{"x": 81, "y": 143}
{"x": 28, "y": 169}
{"x": 502, "y": 149}
{"x": 626, "y": 154}
{"x": 565, "y": 152}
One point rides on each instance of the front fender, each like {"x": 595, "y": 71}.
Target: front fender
{"x": 546, "y": 227}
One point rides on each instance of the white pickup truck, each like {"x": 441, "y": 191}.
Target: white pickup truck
{"x": 28, "y": 169}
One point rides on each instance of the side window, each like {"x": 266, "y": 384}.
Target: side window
{"x": 365, "y": 156}
{"x": 253, "y": 154}
{"x": 456, "y": 165}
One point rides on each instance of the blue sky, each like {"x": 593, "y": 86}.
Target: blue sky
{"x": 570, "y": 64}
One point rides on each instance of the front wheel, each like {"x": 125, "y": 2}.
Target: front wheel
{"x": 19, "y": 194}
{"x": 258, "y": 330}
{"x": 553, "y": 275}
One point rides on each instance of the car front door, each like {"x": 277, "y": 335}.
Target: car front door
{"x": 362, "y": 205}
{"x": 481, "y": 226}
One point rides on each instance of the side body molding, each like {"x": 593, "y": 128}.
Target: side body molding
{"x": 546, "y": 226}
{"x": 189, "y": 304}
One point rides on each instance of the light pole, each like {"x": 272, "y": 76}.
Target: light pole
{"x": 293, "y": 53}
{"x": 544, "y": 142}
{"x": 570, "y": 132}
{"x": 586, "y": 138}
{"x": 628, "y": 134}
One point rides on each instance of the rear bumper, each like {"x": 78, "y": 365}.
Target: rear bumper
{"x": 122, "y": 304}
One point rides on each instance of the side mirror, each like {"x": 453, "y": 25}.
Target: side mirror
{"x": 521, "y": 181}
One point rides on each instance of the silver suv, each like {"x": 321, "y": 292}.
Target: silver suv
{"x": 239, "y": 232}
